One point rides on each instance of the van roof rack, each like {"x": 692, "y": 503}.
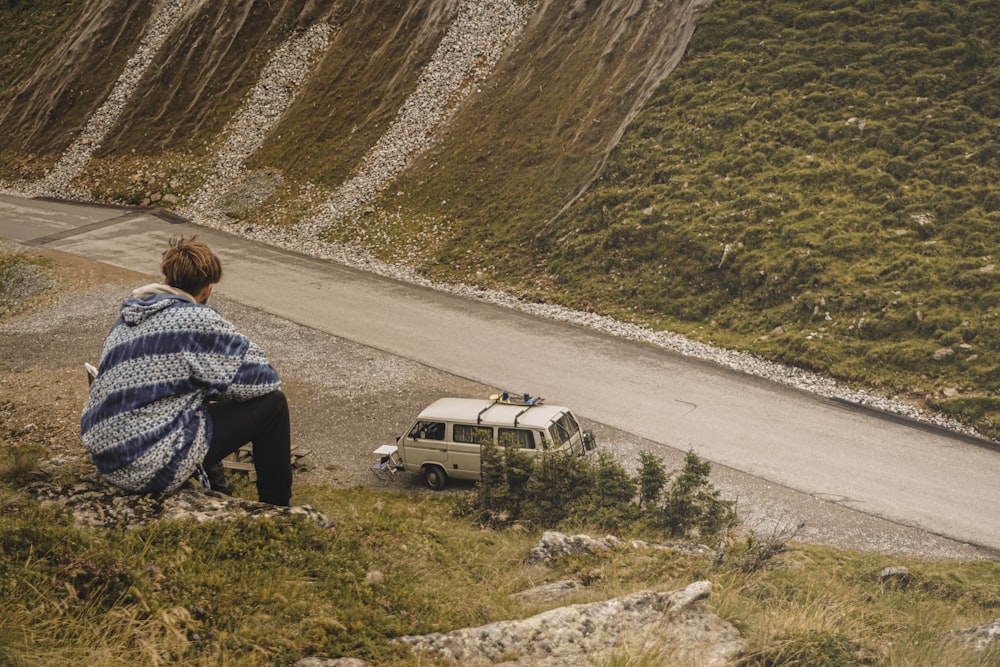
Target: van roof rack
{"x": 507, "y": 398}
{"x": 516, "y": 399}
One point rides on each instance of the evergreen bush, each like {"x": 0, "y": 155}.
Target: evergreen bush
{"x": 557, "y": 488}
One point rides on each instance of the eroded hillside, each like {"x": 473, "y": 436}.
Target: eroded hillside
{"x": 516, "y": 98}
{"x": 811, "y": 180}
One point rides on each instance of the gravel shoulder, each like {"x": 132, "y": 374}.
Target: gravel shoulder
{"x": 346, "y": 399}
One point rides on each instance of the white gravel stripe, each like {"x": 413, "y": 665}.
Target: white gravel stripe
{"x": 469, "y": 51}
{"x": 58, "y": 182}
{"x": 274, "y": 92}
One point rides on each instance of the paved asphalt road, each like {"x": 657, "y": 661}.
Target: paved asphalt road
{"x": 917, "y": 476}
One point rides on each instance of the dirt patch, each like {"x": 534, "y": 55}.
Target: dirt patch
{"x": 42, "y": 349}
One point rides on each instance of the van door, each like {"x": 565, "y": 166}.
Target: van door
{"x": 425, "y": 441}
{"x": 464, "y": 456}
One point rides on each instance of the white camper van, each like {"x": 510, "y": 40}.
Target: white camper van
{"x": 445, "y": 438}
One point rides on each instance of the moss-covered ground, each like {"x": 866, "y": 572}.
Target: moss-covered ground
{"x": 816, "y": 183}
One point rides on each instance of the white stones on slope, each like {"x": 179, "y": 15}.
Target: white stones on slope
{"x": 274, "y": 92}
{"x": 469, "y": 51}
{"x": 58, "y": 182}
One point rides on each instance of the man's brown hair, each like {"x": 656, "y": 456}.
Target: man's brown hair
{"x": 190, "y": 265}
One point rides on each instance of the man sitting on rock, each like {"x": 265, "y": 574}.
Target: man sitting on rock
{"x": 178, "y": 389}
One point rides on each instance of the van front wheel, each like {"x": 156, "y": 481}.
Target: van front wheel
{"x": 435, "y": 477}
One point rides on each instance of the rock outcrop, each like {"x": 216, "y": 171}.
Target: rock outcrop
{"x": 896, "y": 576}
{"x": 665, "y": 623}
{"x": 96, "y": 504}
{"x": 553, "y": 590}
{"x": 555, "y": 545}
{"x": 980, "y": 638}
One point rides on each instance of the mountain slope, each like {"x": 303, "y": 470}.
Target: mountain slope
{"x": 816, "y": 181}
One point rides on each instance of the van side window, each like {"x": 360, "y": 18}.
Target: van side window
{"x": 427, "y": 430}
{"x": 517, "y": 437}
{"x": 476, "y": 435}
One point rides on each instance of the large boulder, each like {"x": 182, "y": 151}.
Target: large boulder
{"x": 980, "y": 638}
{"x": 670, "y": 623}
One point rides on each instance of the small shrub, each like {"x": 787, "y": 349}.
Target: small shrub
{"x": 754, "y": 552}
{"x": 610, "y": 501}
{"x": 652, "y": 478}
{"x": 558, "y": 483}
{"x": 693, "y": 505}
{"x": 560, "y": 487}
{"x": 489, "y": 504}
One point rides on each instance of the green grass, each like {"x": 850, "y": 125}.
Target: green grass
{"x": 262, "y": 592}
{"x": 250, "y": 593}
{"x": 30, "y": 28}
{"x": 823, "y": 167}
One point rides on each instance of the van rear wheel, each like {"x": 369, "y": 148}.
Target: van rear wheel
{"x": 435, "y": 477}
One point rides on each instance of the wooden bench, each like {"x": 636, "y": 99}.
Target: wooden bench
{"x": 242, "y": 460}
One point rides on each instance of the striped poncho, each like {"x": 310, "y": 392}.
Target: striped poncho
{"x": 145, "y": 424}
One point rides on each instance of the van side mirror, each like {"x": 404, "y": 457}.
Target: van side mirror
{"x": 589, "y": 441}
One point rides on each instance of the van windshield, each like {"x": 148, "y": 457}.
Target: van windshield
{"x": 564, "y": 428}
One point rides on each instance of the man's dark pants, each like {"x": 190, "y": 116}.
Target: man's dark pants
{"x": 266, "y": 423}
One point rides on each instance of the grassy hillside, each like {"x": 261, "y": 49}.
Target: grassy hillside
{"x": 817, "y": 183}
{"x": 829, "y": 168}
{"x": 29, "y": 31}
{"x": 268, "y": 592}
